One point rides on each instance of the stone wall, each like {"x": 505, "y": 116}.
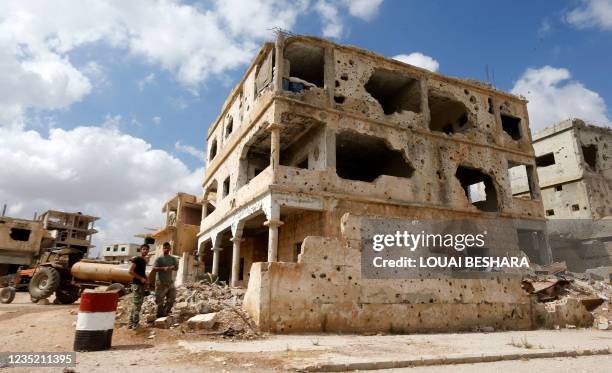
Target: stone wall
{"x": 324, "y": 291}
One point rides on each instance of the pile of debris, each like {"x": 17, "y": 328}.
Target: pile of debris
{"x": 567, "y": 299}
{"x": 210, "y": 309}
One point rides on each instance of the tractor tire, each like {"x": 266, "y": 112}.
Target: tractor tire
{"x": 45, "y": 282}
{"x": 7, "y": 295}
{"x": 67, "y": 295}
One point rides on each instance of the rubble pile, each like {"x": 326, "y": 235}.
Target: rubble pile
{"x": 567, "y": 299}
{"x": 219, "y": 306}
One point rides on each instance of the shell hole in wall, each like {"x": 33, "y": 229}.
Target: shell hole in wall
{"x": 395, "y": 91}
{"x": 365, "y": 158}
{"x": 478, "y": 188}
{"x": 447, "y": 115}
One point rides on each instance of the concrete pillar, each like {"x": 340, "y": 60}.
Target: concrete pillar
{"x": 273, "y": 225}
{"x": 279, "y": 62}
{"x": 274, "y": 128}
{"x": 215, "y": 263}
{"x": 235, "y": 261}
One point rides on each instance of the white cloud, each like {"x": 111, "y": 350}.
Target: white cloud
{"x": 364, "y": 9}
{"x": 147, "y": 80}
{"x": 419, "y": 59}
{"x": 332, "y": 24}
{"x": 156, "y": 119}
{"x": 553, "y": 97}
{"x": 96, "y": 73}
{"x": 192, "y": 42}
{"x": 592, "y": 13}
{"x": 188, "y": 149}
{"x": 95, "y": 170}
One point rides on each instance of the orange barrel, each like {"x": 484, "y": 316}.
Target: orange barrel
{"x": 96, "y": 320}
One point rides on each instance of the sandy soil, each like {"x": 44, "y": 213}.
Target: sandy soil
{"x": 25, "y": 326}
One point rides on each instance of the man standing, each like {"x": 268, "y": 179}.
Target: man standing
{"x": 165, "y": 292}
{"x": 139, "y": 281}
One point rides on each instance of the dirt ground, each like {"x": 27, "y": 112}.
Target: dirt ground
{"x": 50, "y": 328}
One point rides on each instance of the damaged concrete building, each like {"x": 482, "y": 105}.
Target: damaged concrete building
{"x": 574, "y": 166}
{"x": 120, "y": 252}
{"x": 183, "y": 213}
{"x": 318, "y": 137}
{"x": 70, "y": 229}
{"x": 22, "y": 240}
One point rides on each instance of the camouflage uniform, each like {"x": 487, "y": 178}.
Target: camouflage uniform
{"x": 165, "y": 292}
{"x": 139, "y": 293}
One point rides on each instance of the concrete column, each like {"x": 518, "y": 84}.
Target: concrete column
{"x": 279, "y": 62}
{"x": 273, "y": 239}
{"x": 215, "y": 263}
{"x": 274, "y": 128}
{"x": 235, "y": 261}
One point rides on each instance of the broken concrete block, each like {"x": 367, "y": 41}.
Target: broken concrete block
{"x": 602, "y": 323}
{"x": 204, "y": 321}
{"x": 163, "y": 322}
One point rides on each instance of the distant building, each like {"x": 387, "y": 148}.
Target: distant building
{"x": 120, "y": 252}
{"x": 21, "y": 240}
{"x": 574, "y": 166}
{"x": 183, "y": 215}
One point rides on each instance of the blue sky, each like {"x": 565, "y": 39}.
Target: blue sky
{"x": 151, "y": 76}
{"x": 465, "y": 38}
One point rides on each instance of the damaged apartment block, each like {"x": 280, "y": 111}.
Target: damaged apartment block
{"x": 317, "y": 137}
{"x": 574, "y": 163}
{"x": 21, "y": 240}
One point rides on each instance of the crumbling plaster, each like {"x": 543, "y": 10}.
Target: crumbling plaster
{"x": 277, "y": 127}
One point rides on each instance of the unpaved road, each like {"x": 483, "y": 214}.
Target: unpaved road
{"x": 45, "y": 328}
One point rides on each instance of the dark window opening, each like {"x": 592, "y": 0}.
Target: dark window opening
{"x": 339, "y": 99}
{"x": 226, "y": 187}
{"x": 230, "y": 126}
{"x": 213, "y": 149}
{"x": 550, "y": 212}
{"x": 521, "y": 180}
{"x": 257, "y": 157}
{"x": 210, "y": 208}
{"x": 395, "y": 91}
{"x": 306, "y": 62}
{"x": 365, "y": 158}
{"x": 490, "y": 103}
{"x": 297, "y": 250}
{"x": 478, "y": 188}
{"x": 559, "y": 188}
{"x": 447, "y": 115}
{"x": 545, "y": 160}
{"x": 241, "y": 270}
{"x": 19, "y": 234}
{"x": 512, "y": 126}
{"x": 192, "y": 215}
{"x": 303, "y": 147}
{"x": 576, "y": 207}
{"x": 590, "y": 156}
{"x": 303, "y": 164}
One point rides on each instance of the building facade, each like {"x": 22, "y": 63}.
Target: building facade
{"x": 121, "y": 252}
{"x": 318, "y": 136}
{"x": 574, "y": 166}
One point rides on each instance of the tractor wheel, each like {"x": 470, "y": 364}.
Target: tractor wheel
{"x": 7, "y": 295}
{"x": 67, "y": 295}
{"x": 44, "y": 282}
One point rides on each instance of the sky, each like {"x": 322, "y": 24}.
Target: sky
{"x": 105, "y": 104}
